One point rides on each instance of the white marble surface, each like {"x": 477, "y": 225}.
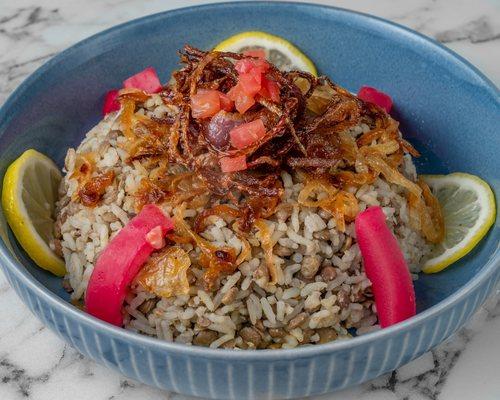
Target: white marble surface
{"x": 35, "y": 364}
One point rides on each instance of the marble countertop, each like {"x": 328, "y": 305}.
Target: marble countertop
{"x": 35, "y": 364}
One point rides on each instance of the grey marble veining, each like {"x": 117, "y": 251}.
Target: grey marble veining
{"x": 35, "y": 364}
{"x": 477, "y": 30}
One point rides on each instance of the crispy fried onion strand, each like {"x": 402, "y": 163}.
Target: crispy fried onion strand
{"x": 165, "y": 272}
{"x": 91, "y": 183}
{"x": 426, "y": 214}
{"x": 215, "y": 260}
{"x": 264, "y": 235}
{"x": 341, "y": 204}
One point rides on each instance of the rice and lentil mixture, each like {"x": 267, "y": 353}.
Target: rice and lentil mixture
{"x": 258, "y": 176}
{"x": 321, "y": 293}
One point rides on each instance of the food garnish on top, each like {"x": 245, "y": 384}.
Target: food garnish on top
{"x": 235, "y": 122}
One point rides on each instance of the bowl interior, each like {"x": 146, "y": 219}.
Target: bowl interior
{"x": 446, "y": 109}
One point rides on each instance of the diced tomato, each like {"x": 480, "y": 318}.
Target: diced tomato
{"x": 274, "y": 90}
{"x": 111, "y": 102}
{"x": 250, "y": 82}
{"x": 119, "y": 263}
{"x": 257, "y": 53}
{"x": 375, "y": 96}
{"x": 232, "y": 164}
{"x": 205, "y": 103}
{"x": 246, "y": 65}
{"x": 234, "y": 92}
{"x": 242, "y": 101}
{"x": 251, "y": 73}
{"x": 146, "y": 80}
{"x": 226, "y": 103}
{"x": 247, "y": 134}
{"x": 261, "y": 65}
{"x": 270, "y": 90}
{"x": 155, "y": 237}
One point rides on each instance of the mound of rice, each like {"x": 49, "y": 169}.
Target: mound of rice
{"x": 322, "y": 292}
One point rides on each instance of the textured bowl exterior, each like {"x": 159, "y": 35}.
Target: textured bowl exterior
{"x": 221, "y": 374}
{"x": 446, "y": 300}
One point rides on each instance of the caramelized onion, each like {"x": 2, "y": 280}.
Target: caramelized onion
{"x": 93, "y": 190}
{"x": 217, "y": 261}
{"x": 407, "y": 147}
{"x": 246, "y": 250}
{"x": 316, "y": 187}
{"x": 126, "y": 119}
{"x": 267, "y": 243}
{"x": 349, "y": 178}
{"x": 84, "y": 167}
{"x": 148, "y": 193}
{"x": 344, "y": 207}
{"x": 219, "y": 210}
{"x": 348, "y": 147}
{"x": 377, "y": 164}
{"x": 435, "y": 212}
{"x": 386, "y": 148}
{"x": 173, "y": 189}
{"x": 165, "y": 272}
{"x": 426, "y": 214}
{"x": 341, "y": 204}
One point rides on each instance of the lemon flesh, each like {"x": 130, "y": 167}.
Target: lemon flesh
{"x": 29, "y": 195}
{"x": 469, "y": 211}
{"x": 279, "y": 51}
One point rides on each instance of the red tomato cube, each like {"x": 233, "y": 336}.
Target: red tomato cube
{"x": 246, "y": 134}
{"x": 246, "y": 65}
{"x": 260, "y": 64}
{"x": 205, "y": 103}
{"x": 250, "y": 82}
{"x": 270, "y": 90}
{"x": 242, "y": 101}
{"x": 226, "y": 103}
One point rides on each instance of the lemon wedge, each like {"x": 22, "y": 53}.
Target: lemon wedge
{"x": 28, "y": 199}
{"x": 279, "y": 51}
{"x": 469, "y": 211}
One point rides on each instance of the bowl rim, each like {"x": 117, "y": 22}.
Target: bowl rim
{"x": 17, "y": 269}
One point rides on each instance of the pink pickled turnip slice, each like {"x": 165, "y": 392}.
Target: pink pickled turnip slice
{"x": 386, "y": 268}
{"x": 146, "y": 80}
{"x": 120, "y": 262}
{"x": 111, "y": 102}
{"x": 372, "y": 95}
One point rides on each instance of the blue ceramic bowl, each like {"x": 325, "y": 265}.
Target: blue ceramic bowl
{"x": 447, "y": 108}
